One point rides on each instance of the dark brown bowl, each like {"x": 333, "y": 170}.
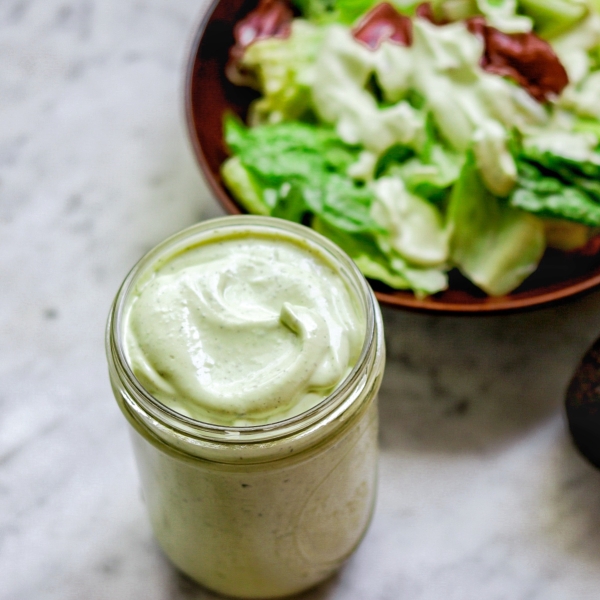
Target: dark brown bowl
{"x": 209, "y": 95}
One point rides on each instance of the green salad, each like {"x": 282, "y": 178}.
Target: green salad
{"x": 423, "y": 137}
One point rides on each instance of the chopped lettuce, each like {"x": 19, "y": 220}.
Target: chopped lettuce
{"x": 341, "y": 98}
{"x": 431, "y": 177}
{"x": 494, "y": 160}
{"x": 553, "y": 17}
{"x": 575, "y": 145}
{"x": 503, "y": 15}
{"x": 415, "y": 159}
{"x": 397, "y": 154}
{"x": 584, "y": 99}
{"x": 441, "y": 68}
{"x": 428, "y": 172}
{"x": 588, "y": 126}
{"x": 414, "y": 228}
{"x": 298, "y": 170}
{"x": 341, "y": 11}
{"x": 317, "y": 9}
{"x": 455, "y": 10}
{"x": 244, "y": 187}
{"x": 296, "y": 150}
{"x": 494, "y": 244}
{"x": 549, "y": 17}
{"x": 283, "y": 69}
{"x": 389, "y": 268}
{"x": 558, "y": 187}
{"x": 577, "y": 50}
{"x": 347, "y": 11}
{"x": 461, "y": 96}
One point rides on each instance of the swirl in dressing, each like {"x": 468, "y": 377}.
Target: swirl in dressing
{"x": 244, "y": 330}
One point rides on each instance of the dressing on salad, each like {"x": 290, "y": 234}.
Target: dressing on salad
{"x": 423, "y": 137}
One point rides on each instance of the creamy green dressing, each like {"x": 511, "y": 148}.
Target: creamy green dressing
{"x": 244, "y": 329}
{"x": 442, "y": 65}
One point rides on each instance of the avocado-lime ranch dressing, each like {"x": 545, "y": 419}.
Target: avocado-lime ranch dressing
{"x": 244, "y": 330}
{"x": 246, "y": 354}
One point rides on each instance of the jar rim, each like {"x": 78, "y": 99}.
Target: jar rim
{"x": 195, "y": 428}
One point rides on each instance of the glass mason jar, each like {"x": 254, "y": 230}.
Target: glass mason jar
{"x": 257, "y": 511}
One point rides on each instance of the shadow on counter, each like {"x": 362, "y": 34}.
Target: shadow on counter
{"x": 469, "y": 384}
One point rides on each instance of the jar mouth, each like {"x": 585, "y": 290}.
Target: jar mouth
{"x": 139, "y": 399}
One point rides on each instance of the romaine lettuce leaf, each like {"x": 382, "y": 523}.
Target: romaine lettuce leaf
{"x": 461, "y": 96}
{"x": 552, "y": 17}
{"x": 347, "y": 11}
{"x": 328, "y": 11}
{"x": 568, "y": 143}
{"x": 397, "y": 154}
{"x": 586, "y": 126}
{"x": 298, "y": 172}
{"x": 562, "y": 203}
{"x": 244, "y": 187}
{"x": 341, "y": 98}
{"x": 297, "y": 150}
{"x": 494, "y": 160}
{"x": 495, "y": 245}
{"x": 390, "y": 269}
{"x": 584, "y": 99}
{"x": 454, "y": 10}
{"x": 315, "y": 9}
{"x": 572, "y": 170}
{"x": 431, "y": 178}
{"x": 558, "y": 187}
{"x": 414, "y": 228}
{"x": 577, "y": 49}
{"x": 410, "y": 171}
{"x": 284, "y": 70}
{"x": 428, "y": 173}
{"x": 503, "y": 15}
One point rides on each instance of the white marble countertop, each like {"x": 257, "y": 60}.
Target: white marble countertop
{"x": 482, "y": 495}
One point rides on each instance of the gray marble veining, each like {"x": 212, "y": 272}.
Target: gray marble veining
{"x": 481, "y": 493}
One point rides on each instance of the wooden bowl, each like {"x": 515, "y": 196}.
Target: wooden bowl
{"x": 209, "y": 95}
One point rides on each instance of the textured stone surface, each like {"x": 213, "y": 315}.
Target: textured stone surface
{"x": 482, "y": 495}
